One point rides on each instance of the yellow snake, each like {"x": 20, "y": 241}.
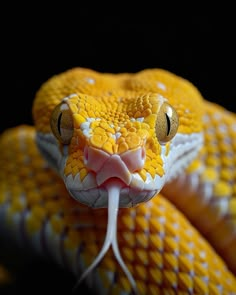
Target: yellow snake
{"x": 128, "y": 181}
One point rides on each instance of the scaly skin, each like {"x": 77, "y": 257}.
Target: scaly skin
{"x": 165, "y": 253}
{"x": 209, "y": 199}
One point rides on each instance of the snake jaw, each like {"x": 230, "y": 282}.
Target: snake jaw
{"x": 184, "y": 148}
{"x": 113, "y": 188}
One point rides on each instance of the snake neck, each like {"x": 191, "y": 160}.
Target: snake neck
{"x": 209, "y": 196}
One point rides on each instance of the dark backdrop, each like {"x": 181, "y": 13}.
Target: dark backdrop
{"x": 198, "y": 45}
{"x": 38, "y": 42}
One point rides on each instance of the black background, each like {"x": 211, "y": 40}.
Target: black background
{"x": 38, "y": 41}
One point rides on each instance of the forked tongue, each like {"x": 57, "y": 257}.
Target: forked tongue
{"x": 113, "y": 188}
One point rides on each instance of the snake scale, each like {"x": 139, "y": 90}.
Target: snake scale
{"x": 127, "y": 180}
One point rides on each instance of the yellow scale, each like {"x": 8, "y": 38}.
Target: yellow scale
{"x": 167, "y": 251}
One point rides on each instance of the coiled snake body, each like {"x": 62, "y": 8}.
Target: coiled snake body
{"x": 139, "y": 162}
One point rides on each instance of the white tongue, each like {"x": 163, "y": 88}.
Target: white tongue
{"x": 113, "y": 188}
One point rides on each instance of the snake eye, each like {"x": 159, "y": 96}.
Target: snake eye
{"x": 62, "y": 123}
{"x": 167, "y": 123}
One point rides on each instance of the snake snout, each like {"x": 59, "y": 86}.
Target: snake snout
{"x": 108, "y": 166}
{"x": 134, "y": 159}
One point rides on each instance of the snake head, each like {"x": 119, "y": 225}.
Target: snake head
{"x": 142, "y": 129}
{"x": 116, "y": 143}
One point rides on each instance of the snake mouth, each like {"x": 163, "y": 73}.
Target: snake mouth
{"x": 118, "y": 180}
{"x": 97, "y": 197}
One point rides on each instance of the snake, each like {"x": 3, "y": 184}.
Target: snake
{"x": 126, "y": 180}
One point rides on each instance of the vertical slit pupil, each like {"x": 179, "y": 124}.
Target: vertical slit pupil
{"x": 168, "y": 124}
{"x": 59, "y": 123}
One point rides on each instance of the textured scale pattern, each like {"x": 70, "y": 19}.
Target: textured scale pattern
{"x": 182, "y": 241}
{"x": 131, "y": 136}
{"x": 163, "y": 250}
{"x": 209, "y": 200}
{"x": 115, "y": 99}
